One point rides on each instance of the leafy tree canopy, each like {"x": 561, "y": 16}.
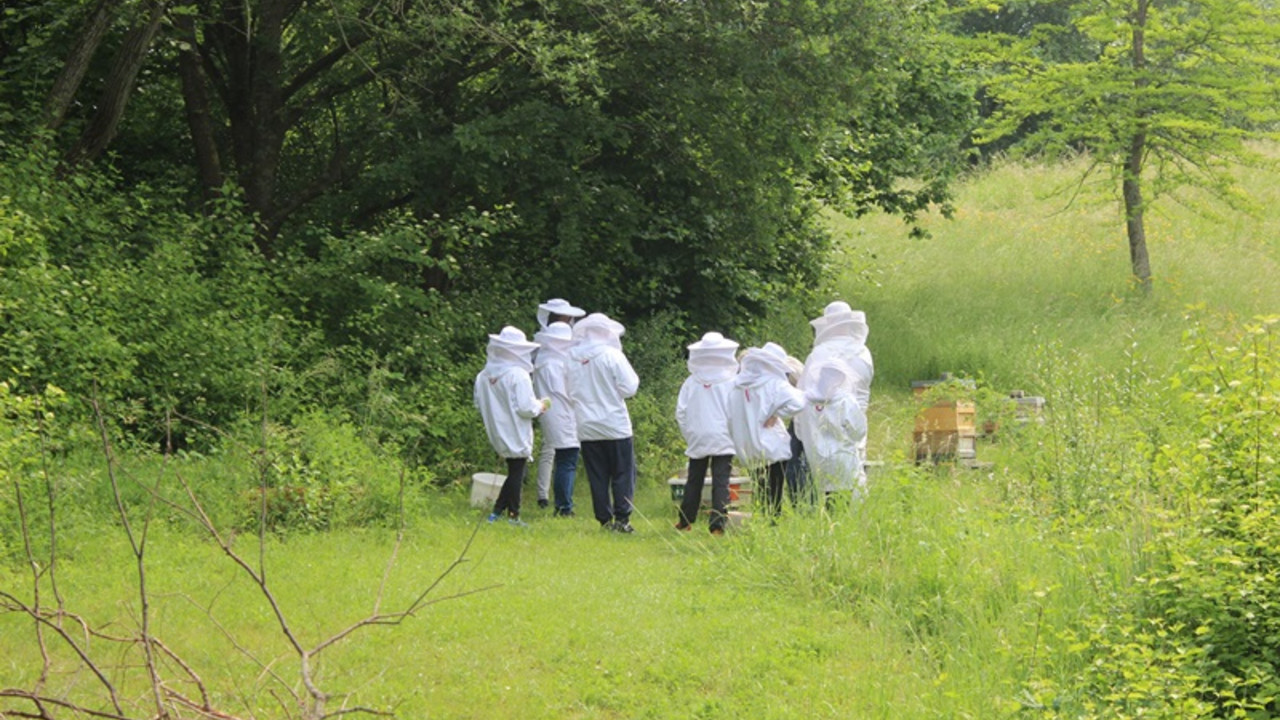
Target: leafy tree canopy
{"x": 1167, "y": 94}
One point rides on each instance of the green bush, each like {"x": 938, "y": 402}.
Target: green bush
{"x": 26, "y": 492}
{"x": 1196, "y": 632}
{"x": 1219, "y": 579}
{"x": 130, "y": 299}
{"x": 319, "y": 473}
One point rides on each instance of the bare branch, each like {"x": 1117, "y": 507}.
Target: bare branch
{"x": 204, "y": 705}
{"x": 202, "y": 708}
{"x": 49, "y": 498}
{"x": 45, "y": 661}
{"x": 266, "y": 668}
{"x": 416, "y": 605}
{"x": 395, "y": 549}
{"x": 364, "y": 710}
{"x": 40, "y": 700}
{"x": 139, "y": 545}
{"x": 84, "y": 656}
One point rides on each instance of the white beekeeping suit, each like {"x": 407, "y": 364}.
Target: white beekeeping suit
{"x": 840, "y": 338}
{"x": 761, "y": 402}
{"x": 601, "y": 379}
{"x": 549, "y": 312}
{"x": 504, "y": 394}
{"x": 557, "y": 306}
{"x": 832, "y": 426}
{"x": 550, "y": 380}
{"x": 703, "y": 403}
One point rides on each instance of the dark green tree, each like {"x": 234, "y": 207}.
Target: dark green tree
{"x": 649, "y": 154}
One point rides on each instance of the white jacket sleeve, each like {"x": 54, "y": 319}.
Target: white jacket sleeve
{"x": 625, "y": 377}
{"x": 682, "y": 408}
{"x": 788, "y": 402}
{"x": 524, "y": 403}
{"x": 855, "y": 422}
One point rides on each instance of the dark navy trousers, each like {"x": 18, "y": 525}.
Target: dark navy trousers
{"x": 611, "y": 472}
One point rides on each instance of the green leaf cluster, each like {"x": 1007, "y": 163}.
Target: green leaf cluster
{"x": 1195, "y": 80}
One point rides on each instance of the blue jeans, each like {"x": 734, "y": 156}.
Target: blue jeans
{"x": 797, "y": 472}
{"x": 562, "y": 475}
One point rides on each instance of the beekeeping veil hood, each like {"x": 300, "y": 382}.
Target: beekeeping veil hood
{"x": 831, "y": 381}
{"x": 763, "y": 363}
{"x": 599, "y": 329}
{"x": 510, "y": 349}
{"x": 838, "y": 320}
{"x": 557, "y": 306}
{"x": 554, "y": 342}
{"x": 711, "y": 359}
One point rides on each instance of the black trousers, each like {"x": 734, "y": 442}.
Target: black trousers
{"x": 721, "y": 466}
{"x": 509, "y": 496}
{"x": 773, "y": 477}
{"x": 611, "y": 471}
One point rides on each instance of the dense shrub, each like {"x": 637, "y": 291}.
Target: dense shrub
{"x": 1196, "y": 632}
{"x": 317, "y": 474}
{"x": 127, "y": 298}
{"x": 27, "y": 494}
{"x": 1219, "y": 582}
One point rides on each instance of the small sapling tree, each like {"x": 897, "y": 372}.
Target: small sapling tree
{"x": 1168, "y": 95}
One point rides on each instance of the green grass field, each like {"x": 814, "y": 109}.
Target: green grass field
{"x": 949, "y": 593}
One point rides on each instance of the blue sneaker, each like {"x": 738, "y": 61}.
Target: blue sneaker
{"x": 493, "y": 517}
{"x": 517, "y": 522}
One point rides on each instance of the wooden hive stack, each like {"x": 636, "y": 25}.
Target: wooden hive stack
{"x": 946, "y": 429}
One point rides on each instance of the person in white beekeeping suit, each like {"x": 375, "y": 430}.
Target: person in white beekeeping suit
{"x": 558, "y": 310}
{"x": 832, "y": 426}
{"x": 601, "y": 380}
{"x": 702, "y": 412}
{"x": 760, "y": 404}
{"x": 559, "y": 425}
{"x": 504, "y": 396}
{"x": 552, "y": 311}
{"x": 840, "y": 337}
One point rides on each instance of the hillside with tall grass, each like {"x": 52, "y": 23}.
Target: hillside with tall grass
{"x": 1033, "y": 257}
{"x": 1116, "y": 558}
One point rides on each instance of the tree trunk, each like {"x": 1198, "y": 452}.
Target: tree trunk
{"x": 68, "y": 82}
{"x": 249, "y": 47}
{"x": 1132, "y": 185}
{"x": 119, "y": 86}
{"x": 195, "y": 98}
{"x": 1133, "y": 211}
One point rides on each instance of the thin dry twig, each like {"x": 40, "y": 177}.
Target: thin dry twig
{"x": 138, "y": 543}
{"x": 75, "y": 647}
{"x": 41, "y": 700}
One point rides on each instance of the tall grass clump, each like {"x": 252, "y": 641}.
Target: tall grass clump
{"x": 1117, "y": 559}
{"x": 1098, "y": 443}
{"x": 951, "y": 569}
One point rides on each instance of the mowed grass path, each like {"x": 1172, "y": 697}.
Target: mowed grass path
{"x": 569, "y": 622}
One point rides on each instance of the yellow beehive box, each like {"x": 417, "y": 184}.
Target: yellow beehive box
{"x": 958, "y": 416}
{"x": 945, "y": 445}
